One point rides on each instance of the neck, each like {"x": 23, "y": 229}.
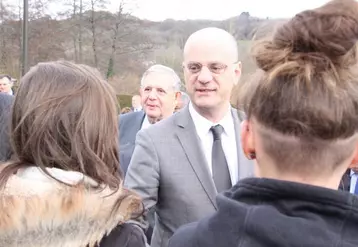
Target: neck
{"x": 153, "y": 120}
{"x": 213, "y": 115}
{"x": 323, "y": 179}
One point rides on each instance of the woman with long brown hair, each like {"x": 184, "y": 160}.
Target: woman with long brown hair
{"x": 301, "y": 130}
{"x": 64, "y": 187}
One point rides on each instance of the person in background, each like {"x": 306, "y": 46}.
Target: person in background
{"x": 136, "y": 103}
{"x": 302, "y": 132}
{"x": 126, "y": 110}
{"x": 6, "y": 84}
{"x": 349, "y": 181}
{"x": 5, "y": 108}
{"x": 63, "y": 186}
{"x": 160, "y": 92}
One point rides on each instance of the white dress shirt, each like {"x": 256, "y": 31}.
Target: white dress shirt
{"x": 228, "y": 140}
{"x": 145, "y": 123}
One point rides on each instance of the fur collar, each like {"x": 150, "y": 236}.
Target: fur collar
{"x": 38, "y": 211}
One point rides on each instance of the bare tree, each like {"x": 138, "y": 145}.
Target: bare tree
{"x": 94, "y": 18}
{"x": 7, "y": 14}
{"x": 80, "y": 31}
{"x": 75, "y": 34}
{"x": 172, "y": 57}
{"x": 118, "y": 21}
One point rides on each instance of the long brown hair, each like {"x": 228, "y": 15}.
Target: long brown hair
{"x": 65, "y": 116}
{"x": 305, "y": 92}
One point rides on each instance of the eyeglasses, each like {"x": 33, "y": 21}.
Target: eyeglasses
{"x": 215, "y": 68}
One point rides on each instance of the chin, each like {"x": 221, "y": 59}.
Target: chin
{"x": 151, "y": 114}
{"x": 206, "y": 103}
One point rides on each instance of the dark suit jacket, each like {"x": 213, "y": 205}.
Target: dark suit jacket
{"x": 345, "y": 183}
{"x": 129, "y": 125}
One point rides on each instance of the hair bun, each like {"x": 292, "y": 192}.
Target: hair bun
{"x": 320, "y": 36}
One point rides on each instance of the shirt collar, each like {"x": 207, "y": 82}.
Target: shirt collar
{"x": 146, "y": 122}
{"x": 203, "y": 125}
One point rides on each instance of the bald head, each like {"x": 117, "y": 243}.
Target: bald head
{"x": 214, "y": 38}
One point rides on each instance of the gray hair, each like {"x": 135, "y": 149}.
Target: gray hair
{"x": 163, "y": 69}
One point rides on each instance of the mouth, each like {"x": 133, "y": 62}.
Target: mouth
{"x": 205, "y": 90}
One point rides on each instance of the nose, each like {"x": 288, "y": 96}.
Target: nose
{"x": 152, "y": 95}
{"x": 205, "y": 75}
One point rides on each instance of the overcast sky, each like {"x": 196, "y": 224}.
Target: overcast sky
{"x": 158, "y": 10}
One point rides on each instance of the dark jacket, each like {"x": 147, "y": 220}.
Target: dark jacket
{"x": 271, "y": 213}
{"x": 126, "y": 235}
{"x": 345, "y": 183}
{"x": 6, "y": 101}
{"x": 129, "y": 125}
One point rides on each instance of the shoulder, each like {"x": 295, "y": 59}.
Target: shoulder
{"x": 164, "y": 127}
{"x": 126, "y": 235}
{"x": 129, "y": 116}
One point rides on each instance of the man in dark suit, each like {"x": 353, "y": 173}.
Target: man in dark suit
{"x": 159, "y": 94}
{"x": 129, "y": 125}
{"x": 345, "y": 183}
{"x": 160, "y": 91}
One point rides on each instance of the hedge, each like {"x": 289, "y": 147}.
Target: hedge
{"x": 124, "y": 100}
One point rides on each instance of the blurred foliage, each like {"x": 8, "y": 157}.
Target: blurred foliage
{"x": 124, "y": 100}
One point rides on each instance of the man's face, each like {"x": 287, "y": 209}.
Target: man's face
{"x": 136, "y": 102}
{"x": 5, "y": 85}
{"x": 210, "y": 75}
{"x": 158, "y": 95}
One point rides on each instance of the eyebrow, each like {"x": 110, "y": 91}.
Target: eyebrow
{"x": 211, "y": 62}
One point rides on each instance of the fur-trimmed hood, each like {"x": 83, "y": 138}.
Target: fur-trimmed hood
{"x": 37, "y": 211}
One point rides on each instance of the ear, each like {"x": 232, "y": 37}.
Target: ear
{"x": 247, "y": 138}
{"x": 354, "y": 163}
{"x": 177, "y": 99}
{"x": 238, "y": 68}
{"x": 177, "y": 96}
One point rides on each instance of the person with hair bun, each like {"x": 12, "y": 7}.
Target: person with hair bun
{"x": 301, "y": 130}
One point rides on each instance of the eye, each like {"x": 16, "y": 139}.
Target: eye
{"x": 217, "y": 68}
{"x": 147, "y": 89}
{"x": 194, "y": 68}
{"x": 161, "y": 91}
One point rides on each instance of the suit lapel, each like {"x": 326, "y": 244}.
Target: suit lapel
{"x": 191, "y": 144}
{"x": 140, "y": 119}
{"x": 245, "y": 166}
{"x": 136, "y": 125}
